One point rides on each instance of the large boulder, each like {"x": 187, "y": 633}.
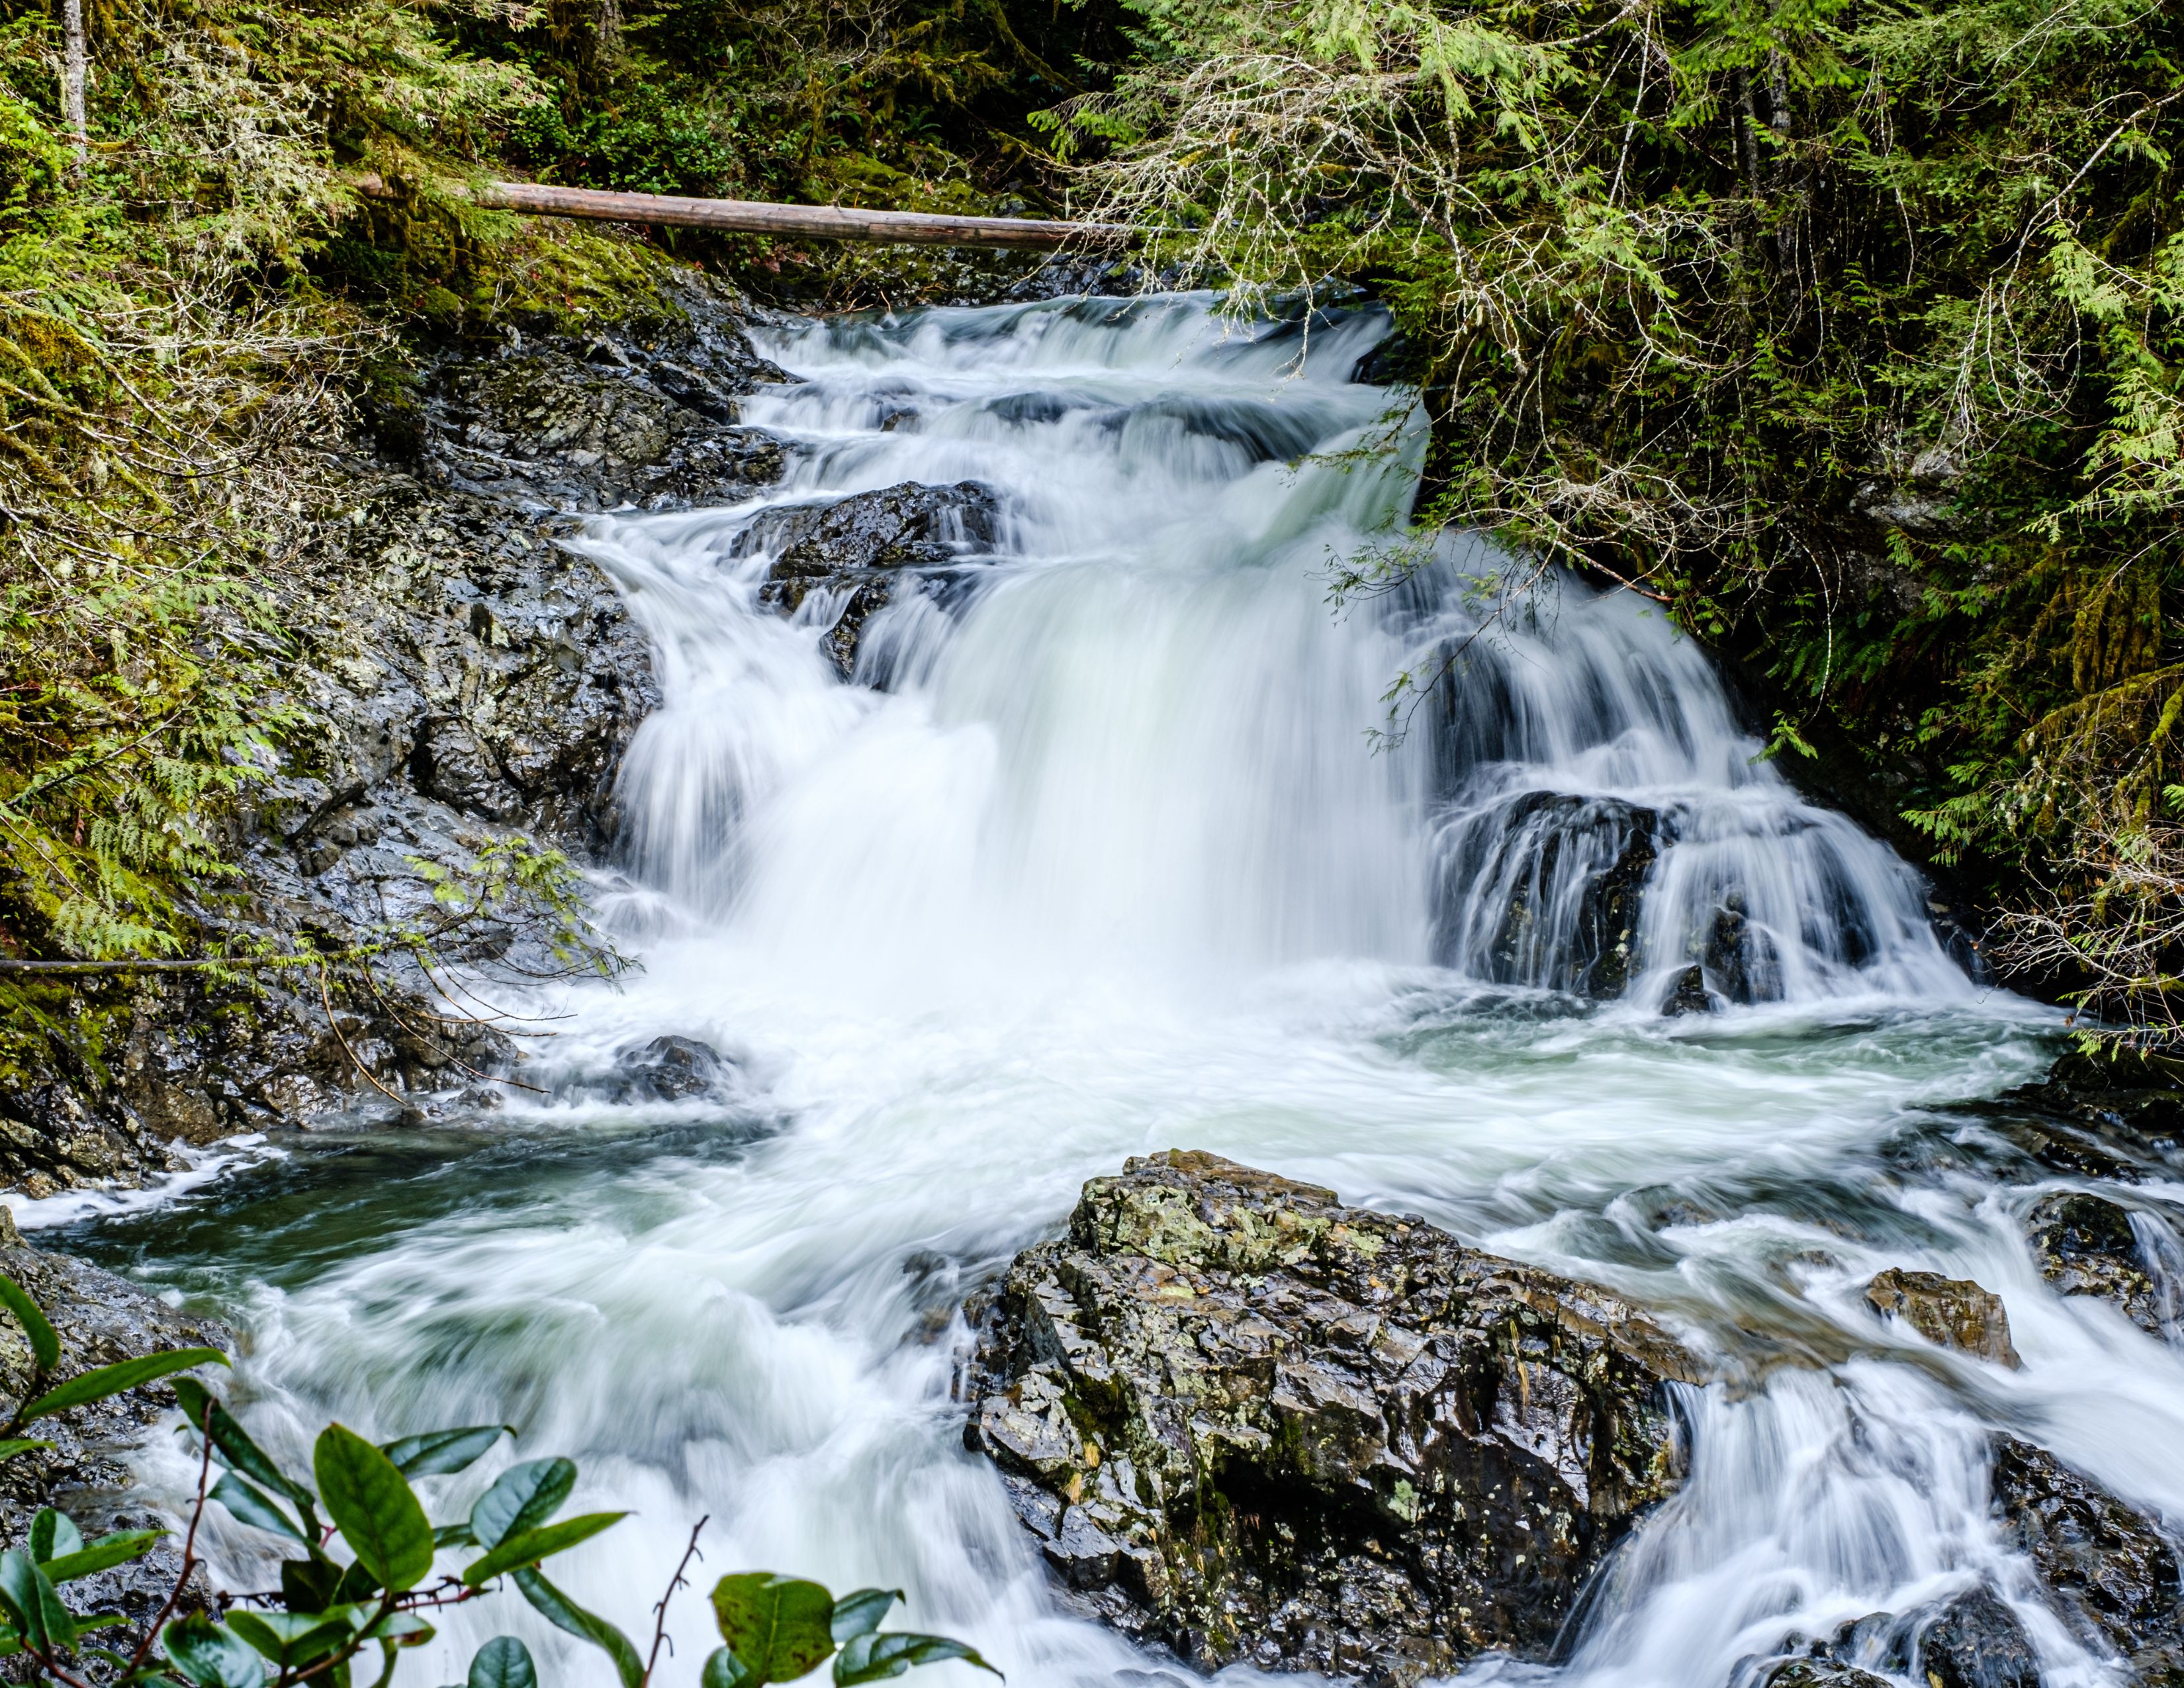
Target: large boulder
{"x": 1953, "y": 1312}
{"x": 1257, "y": 1425}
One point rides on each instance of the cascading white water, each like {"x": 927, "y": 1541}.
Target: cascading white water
{"x": 1110, "y": 865}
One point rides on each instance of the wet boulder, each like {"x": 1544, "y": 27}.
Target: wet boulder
{"x": 668, "y": 1069}
{"x": 1738, "y": 958}
{"x": 852, "y": 553}
{"x": 1976, "y": 1642}
{"x": 1258, "y": 1426}
{"x": 1544, "y": 890}
{"x": 1952, "y": 1313}
{"x": 1820, "y": 1672}
{"x": 1688, "y": 994}
{"x": 2108, "y": 1568}
{"x": 2085, "y": 1246}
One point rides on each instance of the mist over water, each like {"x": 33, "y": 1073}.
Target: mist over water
{"x": 1099, "y": 857}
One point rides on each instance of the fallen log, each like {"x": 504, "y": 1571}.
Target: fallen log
{"x": 757, "y": 217}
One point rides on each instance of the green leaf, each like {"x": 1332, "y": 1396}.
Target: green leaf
{"x": 724, "y": 1669}
{"x": 52, "y": 1535}
{"x": 869, "y": 1659}
{"x": 113, "y": 1379}
{"x": 522, "y": 1497}
{"x": 45, "y": 1345}
{"x": 403, "y": 1628}
{"x": 102, "y": 1555}
{"x": 255, "y": 1508}
{"x": 529, "y": 1546}
{"x": 294, "y": 1638}
{"x": 9, "y": 1450}
{"x": 779, "y": 1627}
{"x": 504, "y": 1661}
{"x": 309, "y": 1584}
{"x": 33, "y": 1602}
{"x": 241, "y": 1453}
{"x": 453, "y": 1535}
{"x": 564, "y": 1613}
{"x": 439, "y": 1452}
{"x": 370, "y": 1503}
{"x": 210, "y": 1656}
{"x": 859, "y": 1614}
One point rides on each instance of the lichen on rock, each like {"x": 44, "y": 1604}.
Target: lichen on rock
{"x": 1259, "y": 1426}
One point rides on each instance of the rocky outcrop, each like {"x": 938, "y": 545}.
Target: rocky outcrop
{"x": 2085, "y": 1246}
{"x": 1952, "y": 1313}
{"x": 2111, "y": 1571}
{"x": 848, "y": 559}
{"x": 456, "y": 677}
{"x": 101, "y": 1320}
{"x": 1259, "y": 1426}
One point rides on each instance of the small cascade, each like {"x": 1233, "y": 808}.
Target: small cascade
{"x": 1603, "y": 826}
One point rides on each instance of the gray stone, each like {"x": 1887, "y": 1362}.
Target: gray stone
{"x": 2085, "y": 1246}
{"x": 1951, "y": 1312}
{"x": 1314, "y": 1437}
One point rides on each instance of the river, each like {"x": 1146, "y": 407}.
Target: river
{"x": 1110, "y": 861}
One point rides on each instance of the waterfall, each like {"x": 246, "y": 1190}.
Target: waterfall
{"x": 1129, "y": 733}
{"x": 1081, "y": 829}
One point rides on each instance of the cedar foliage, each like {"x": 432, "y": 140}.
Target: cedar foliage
{"x": 1850, "y": 328}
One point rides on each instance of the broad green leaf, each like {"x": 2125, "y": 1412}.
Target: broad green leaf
{"x": 439, "y": 1452}
{"x": 235, "y": 1447}
{"x": 102, "y": 1555}
{"x": 529, "y": 1546}
{"x": 309, "y": 1584}
{"x": 255, "y": 1506}
{"x": 211, "y": 1655}
{"x": 357, "y": 1584}
{"x": 779, "y": 1627}
{"x": 404, "y": 1629}
{"x": 371, "y": 1504}
{"x": 9, "y": 1449}
{"x": 859, "y": 1614}
{"x": 504, "y": 1661}
{"x": 564, "y": 1613}
{"x": 871, "y": 1658}
{"x": 45, "y": 1345}
{"x": 522, "y": 1497}
{"x": 52, "y": 1535}
{"x": 293, "y": 1638}
{"x": 113, "y": 1379}
{"x": 722, "y": 1670}
{"x": 453, "y": 1535}
{"x": 33, "y": 1602}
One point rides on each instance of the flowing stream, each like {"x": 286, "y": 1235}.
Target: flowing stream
{"x": 1097, "y": 854}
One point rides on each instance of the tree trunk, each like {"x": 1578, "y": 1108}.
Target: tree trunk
{"x": 75, "y": 64}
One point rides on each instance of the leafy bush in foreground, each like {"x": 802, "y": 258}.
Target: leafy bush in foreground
{"x": 330, "y": 1609}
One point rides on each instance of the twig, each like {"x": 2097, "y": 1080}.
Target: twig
{"x": 189, "y": 1548}
{"x": 659, "y": 1627}
{"x": 334, "y": 1025}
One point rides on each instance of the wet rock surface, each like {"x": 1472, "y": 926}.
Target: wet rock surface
{"x": 2111, "y": 1571}
{"x": 2086, "y": 1245}
{"x": 101, "y": 1320}
{"x": 1255, "y": 1425}
{"x": 1953, "y": 1312}
{"x": 1976, "y": 1642}
{"x": 847, "y": 560}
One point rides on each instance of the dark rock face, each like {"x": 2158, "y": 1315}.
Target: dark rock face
{"x": 1544, "y": 890}
{"x": 1738, "y": 959}
{"x": 1977, "y": 1642}
{"x": 1688, "y": 994}
{"x": 1259, "y": 1426}
{"x": 1951, "y": 1312}
{"x": 101, "y": 1320}
{"x": 2138, "y": 1098}
{"x": 2111, "y": 1571}
{"x": 462, "y": 677}
{"x": 856, "y": 550}
{"x": 2085, "y": 1246}
{"x": 1814, "y": 1672}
